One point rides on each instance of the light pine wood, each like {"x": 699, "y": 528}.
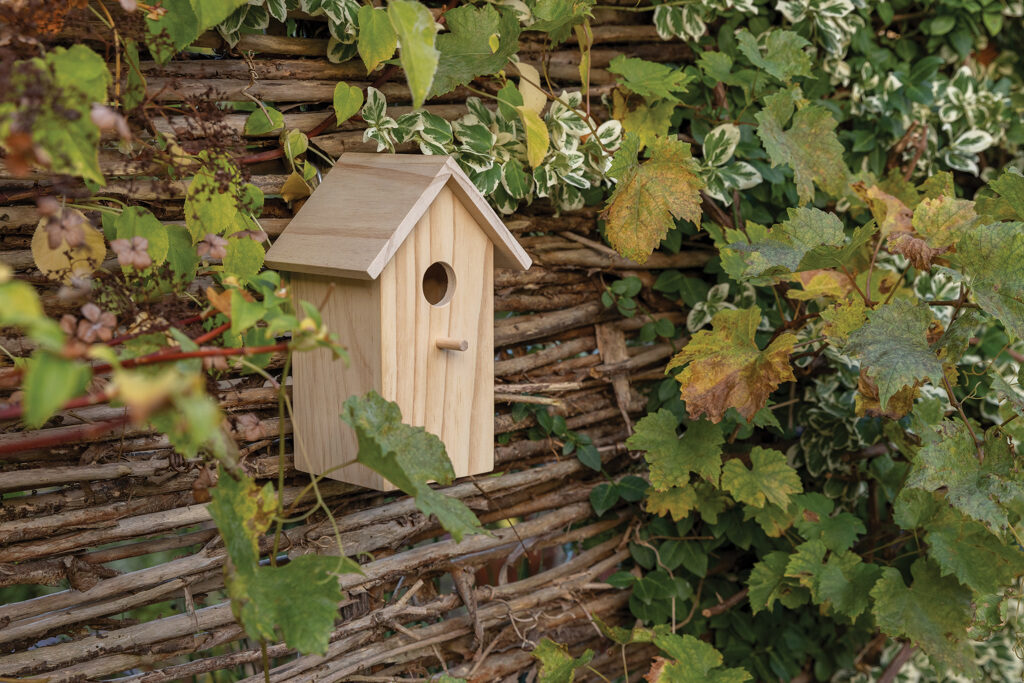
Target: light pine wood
{"x": 351, "y": 309}
{"x": 369, "y": 203}
{"x": 452, "y": 344}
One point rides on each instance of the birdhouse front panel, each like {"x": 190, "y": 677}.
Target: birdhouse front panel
{"x": 437, "y": 332}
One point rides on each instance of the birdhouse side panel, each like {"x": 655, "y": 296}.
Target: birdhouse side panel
{"x": 351, "y": 309}
{"x": 436, "y": 298}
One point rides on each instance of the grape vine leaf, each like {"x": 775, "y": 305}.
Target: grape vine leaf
{"x": 408, "y": 457}
{"x": 50, "y": 381}
{"x": 784, "y": 55}
{"x": 845, "y": 583}
{"x": 768, "y": 583}
{"x": 557, "y": 17}
{"x": 676, "y": 501}
{"x": 377, "y": 37}
{"x": 465, "y": 49}
{"x": 810, "y": 145}
{"x": 937, "y": 626}
{"x": 788, "y": 242}
{"x": 694, "y": 662}
{"x": 649, "y": 79}
{"x": 769, "y": 480}
{"x": 649, "y": 195}
{"x": 942, "y": 221}
{"x": 964, "y": 548}
{"x": 725, "y": 369}
{"x": 243, "y": 512}
{"x": 414, "y": 25}
{"x": 893, "y": 347}
{"x": 816, "y": 521}
{"x": 804, "y": 564}
{"x": 772, "y": 519}
{"x": 1010, "y": 186}
{"x": 672, "y": 458}
{"x": 556, "y": 664}
{"x": 978, "y": 489}
{"x": 991, "y": 257}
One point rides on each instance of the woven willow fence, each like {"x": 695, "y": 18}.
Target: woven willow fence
{"x": 113, "y": 523}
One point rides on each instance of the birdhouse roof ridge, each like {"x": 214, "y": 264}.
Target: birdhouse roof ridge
{"x": 374, "y": 201}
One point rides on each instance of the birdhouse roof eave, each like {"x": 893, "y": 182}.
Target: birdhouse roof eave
{"x": 375, "y": 229}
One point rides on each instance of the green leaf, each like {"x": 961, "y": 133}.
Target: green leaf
{"x": 416, "y": 31}
{"x": 244, "y": 313}
{"x": 348, "y": 100}
{"x": 377, "y": 37}
{"x": 810, "y": 145}
{"x": 210, "y": 207}
{"x": 724, "y": 368}
{"x": 650, "y": 195}
{"x": 815, "y": 521}
{"x": 845, "y": 583}
{"x": 465, "y": 47}
{"x": 673, "y": 458}
{"x": 789, "y": 242}
{"x": 181, "y": 254}
{"x": 557, "y": 17}
{"x": 805, "y": 563}
{"x": 537, "y": 139}
{"x": 603, "y": 498}
{"x": 893, "y": 347}
{"x": 243, "y": 512}
{"x": 677, "y": 501}
{"x": 770, "y": 479}
{"x": 408, "y": 457}
{"x": 992, "y": 257}
{"x": 784, "y": 55}
{"x": 937, "y": 626}
{"x": 978, "y": 489}
{"x": 649, "y": 79}
{"x": 1010, "y": 186}
{"x": 136, "y": 221}
{"x": 768, "y": 583}
{"x": 243, "y": 257}
{"x": 967, "y": 550}
{"x": 50, "y": 382}
{"x": 135, "y": 82}
{"x": 261, "y": 122}
{"x": 556, "y": 664}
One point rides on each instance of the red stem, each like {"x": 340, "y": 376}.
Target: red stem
{"x": 15, "y": 411}
{"x": 44, "y": 440}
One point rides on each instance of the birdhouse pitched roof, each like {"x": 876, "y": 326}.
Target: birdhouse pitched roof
{"x": 367, "y": 205}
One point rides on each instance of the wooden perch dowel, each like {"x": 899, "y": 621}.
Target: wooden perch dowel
{"x": 452, "y": 344}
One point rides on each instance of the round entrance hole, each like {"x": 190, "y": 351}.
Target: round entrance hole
{"x": 438, "y": 283}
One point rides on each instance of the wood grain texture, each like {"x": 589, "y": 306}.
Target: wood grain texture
{"x": 369, "y": 203}
{"x": 322, "y": 440}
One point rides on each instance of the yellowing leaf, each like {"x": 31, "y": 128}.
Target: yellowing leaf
{"x": 493, "y": 42}
{"x": 66, "y": 262}
{"x": 377, "y": 38}
{"x": 348, "y": 100}
{"x": 649, "y": 196}
{"x": 942, "y": 221}
{"x": 534, "y": 98}
{"x": 294, "y": 188}
{"x": 889, "y": 212}
{"x": 537, "y": 140}
{"x": 416, "y": 30}
{"x": 725, "y": 369}
{"x": 677, "y": 501}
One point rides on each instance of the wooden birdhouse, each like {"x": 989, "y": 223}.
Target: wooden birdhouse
{"x": 399, "y": 252}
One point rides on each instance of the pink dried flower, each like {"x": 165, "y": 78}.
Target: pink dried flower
{"x": 97, "y": 326}
{"x": 258, "y": 236}
{"x": 47, "y": 205}
{"x": 129, "y": 5}
{"x": 133, "y": 252}
{"x": 212, "y": 247}
{"x": 66, "y": 227}
{"x": 106, "y": 119}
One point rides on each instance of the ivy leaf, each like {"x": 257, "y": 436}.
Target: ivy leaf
{"x": 964, "y": 548}
{"x": 991, "y": 257}
{"x": 893, "y": 347}
{"x": 537, "y": 140}
{"x": 978, "y": 489}
{"x": 649, "y": 79}
{"x": 784, "y": 55}
{"x": 261, "y": 122}
{"x": 414, "y": 25}
{"x": 673, "y": 458}
{"x": 377, "y": 37}
{"x": 556, "y": 664}
{"x": 465, "y": 48}
{"x": 408, "y": 457}
{"x": 810, "y": 145}
{"x": 725, "y": 369}
{"x": 649, "y": 195}
{"x": 50, "y": 381}
{"x": 348, "y": 100}
{"x": 769, "y": 480}
{"x": 938, "y": 627}
{"x": 788, "y": 242}
{"x": 768, "y": 583}
{"x": 243, "y": 257}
